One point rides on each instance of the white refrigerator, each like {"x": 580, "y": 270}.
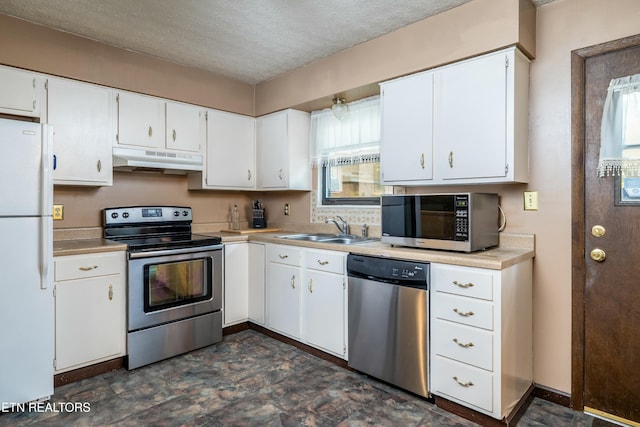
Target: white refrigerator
{"x": 26, "y": 262}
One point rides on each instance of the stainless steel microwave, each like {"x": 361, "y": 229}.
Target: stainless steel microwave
{"x": 464, "y": 222}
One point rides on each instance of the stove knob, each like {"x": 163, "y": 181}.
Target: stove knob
{"x": 125, "y": 215}
{"x": 176, "y": 213}
{"x": 185, "y": 213}
{"x": 114, "y": 215}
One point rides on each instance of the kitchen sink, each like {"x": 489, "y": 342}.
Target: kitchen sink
{"x": 345, "y": 239}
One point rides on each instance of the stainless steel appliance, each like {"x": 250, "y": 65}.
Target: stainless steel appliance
{"x": 388, "y": 320}
{"x": 463, "y": 222}
{"x": 26, "y": 254}
{"x": 174, "y": 282}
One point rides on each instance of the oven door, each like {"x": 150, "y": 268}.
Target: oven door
{"x": 165, "y": 286}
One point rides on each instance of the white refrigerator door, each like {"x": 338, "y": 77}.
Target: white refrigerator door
{"x": 25, "y": 175}
{"x": 26, "y": 313}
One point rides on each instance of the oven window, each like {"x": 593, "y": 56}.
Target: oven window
{"x": 171, "y": 284}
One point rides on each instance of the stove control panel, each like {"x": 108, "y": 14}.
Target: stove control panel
{"x": 146, "y": 214}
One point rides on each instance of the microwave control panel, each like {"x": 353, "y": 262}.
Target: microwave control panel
{"x": 461, "y": 210}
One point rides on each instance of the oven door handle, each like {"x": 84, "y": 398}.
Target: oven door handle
{"x": 166, "y": 252}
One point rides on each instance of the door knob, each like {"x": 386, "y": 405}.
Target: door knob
{"x": 598, "y": 231}
{"x": 598, "y": 254}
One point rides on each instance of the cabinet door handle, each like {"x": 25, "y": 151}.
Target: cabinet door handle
{"x": 248, "y": 174}
{"x": 150, "y": 131}
{"x": 310, "y": 286}
{"x": 293, "y": 281}
{"x": 283, "y": 256}
{"x": 467, "y": 345}
{"x": 89, "y": 268}
{"x": 463, "y": 285}
{"x": 467, "y": 384}
{"x": 322, "y": 262}
{"x": 110, "y": 292}
{"x": 99, "y": 166}
{"x": 450, "y": 159}
{"x": 463, "y": 314}
{"x": 174, "y": 135}
{"x": 422, "y": 160}
{"x": 280, "y": 174}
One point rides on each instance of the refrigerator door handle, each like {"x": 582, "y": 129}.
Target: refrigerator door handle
{"x": 46, "y": 191}
{"x": 46, "y": 251}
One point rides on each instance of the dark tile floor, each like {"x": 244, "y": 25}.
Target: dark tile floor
{"x": 252, "y": 380}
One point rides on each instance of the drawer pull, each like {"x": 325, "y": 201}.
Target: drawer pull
{"x": 88, "y": 268}
{"x": 467, "y": 384}
{"x": 283, "y": 256}
{"x": 463, "y": 285}
{"x": 322, "y": 262}
{"x": 463, "y": 314}
{"x": 110, "y": 292}
{"x": 467, "y": 345}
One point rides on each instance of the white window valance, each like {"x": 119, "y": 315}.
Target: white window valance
{"x": 354, "y": 139}
{"x": 620, "y": 132}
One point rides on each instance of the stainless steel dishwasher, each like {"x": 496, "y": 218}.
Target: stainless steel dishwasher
{"x": 389, "y": 320}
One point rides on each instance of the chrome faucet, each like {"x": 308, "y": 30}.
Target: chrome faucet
{"x": 344, "y": 228}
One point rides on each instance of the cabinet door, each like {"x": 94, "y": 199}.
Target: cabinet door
{"x": 230, "y": 150}
{"x": 470, "y": 119}
{"x": 81, "y": 121}
{"x": 272, "y": 151}
{"x": 90, "y": 320}
{"x": 19, "y": 92}
{"x": 236, "y": 283}
{"x": 283, "y": 298}
{"x": 323, "y": 311}
{"x": 185, "y": 130}
{"x": 407, "y": 129}
{"x": 256, "y": 282}
{"x": 140, "y": 120}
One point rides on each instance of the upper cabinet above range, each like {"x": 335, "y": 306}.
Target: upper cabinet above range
{"x": 149, "y": 122}
{"x": 474, "y": 123}
{"x": 21, "y": 92}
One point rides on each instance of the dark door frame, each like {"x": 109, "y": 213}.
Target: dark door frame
{"x": 578, "y": 275}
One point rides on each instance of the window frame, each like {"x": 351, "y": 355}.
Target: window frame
{"x": 342, "y": 201}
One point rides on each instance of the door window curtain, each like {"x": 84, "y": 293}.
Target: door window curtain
{"x": 620, "y": 132}
{"x": 354, "y": 139}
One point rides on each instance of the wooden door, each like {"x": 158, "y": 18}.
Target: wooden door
{"x": 612, "y": 286}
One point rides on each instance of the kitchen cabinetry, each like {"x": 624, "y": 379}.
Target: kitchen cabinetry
{"x": 478, "y": 128}
{"x": 324, "y": 301}
{"x": 230, "y": 153}
{"x": 243, "y": 283}
{"x": 21, "y": 92}
{"x": 257, "y": 283}
{"x": 481, "y": 336}
{"x": 282, "y": 147}
{"x": 284, "y": 283}
{"x": 146, "y": 121}
{"x": 407, "y": 129}
{"x": 81, "y": 120}
{"x": 90, "y": 312}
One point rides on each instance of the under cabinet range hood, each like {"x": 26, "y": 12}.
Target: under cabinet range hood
{"x": 133, "y": 159}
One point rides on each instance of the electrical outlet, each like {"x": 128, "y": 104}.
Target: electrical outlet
{"x": 286, "y": 209}
{"x": 530, "y": 200}
{"x": 58, "y": 212}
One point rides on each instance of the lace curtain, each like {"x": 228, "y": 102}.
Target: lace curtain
{"x": 620, "y": 133}
{"x": 354, "y": 139}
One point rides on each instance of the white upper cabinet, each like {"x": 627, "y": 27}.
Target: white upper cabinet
{"x": 81, "y": 120}
{"x": 407, "y": 129}
{"x": 481, "y": 119}
{"x": 282, "y": 146}
{"x": 185, "y": 127}
{"x": 140, "y": 120}
{"x": 230, "y": 153}
{"x": 21, "y": 92}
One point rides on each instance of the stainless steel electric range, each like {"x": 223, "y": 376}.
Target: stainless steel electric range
{"x": 174, "y": 282}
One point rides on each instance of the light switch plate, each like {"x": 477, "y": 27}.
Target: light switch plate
{"x": 530, "y": 200}
{"x": 58, "y": 212}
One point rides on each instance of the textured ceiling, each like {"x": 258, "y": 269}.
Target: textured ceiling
{"x": 247, "y": 40}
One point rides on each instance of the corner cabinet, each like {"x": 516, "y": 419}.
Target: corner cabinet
{"x": 282, "y": 147}
{"x": 243, "y": 283}
{"x": 82, "y": 123}
{"x": 478, "y": 129}
{"x": 482, "y": 336}
{"x": 21, "y": 92}
{"x": 90, "y": 316}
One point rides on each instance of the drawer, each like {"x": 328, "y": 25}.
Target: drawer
{"x": 466, "y": 344}
{"x": 468, "y": 311}
{"x": 329, "y": 261}
{"x": 463, "y": 382}
{"x": 465, "y": 281}
{"x": 281, "y": 254}
{"x": 91, "y": 265}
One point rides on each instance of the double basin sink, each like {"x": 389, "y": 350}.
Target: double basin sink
{"x": 344, "y": 239}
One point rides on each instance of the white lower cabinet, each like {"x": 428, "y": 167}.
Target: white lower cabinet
{"x": 256, "y": 283}
{"x": 243, "y": 283}
{"x": 306, "y": 296}
{"x": 90, "y": 301}
{"x": 481, "y": 336}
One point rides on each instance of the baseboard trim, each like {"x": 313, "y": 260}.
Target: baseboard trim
{"x": 551, "y": 395}
{"x": 87, "y": 372}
